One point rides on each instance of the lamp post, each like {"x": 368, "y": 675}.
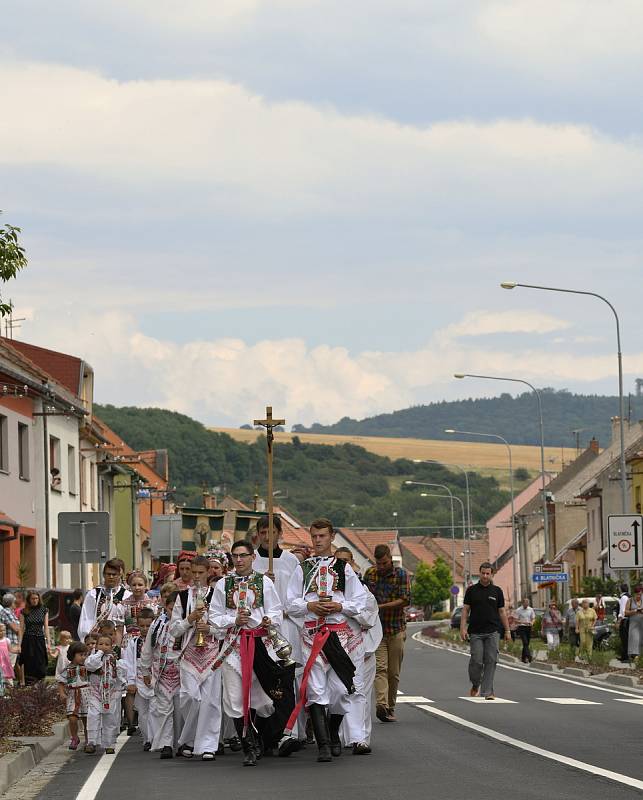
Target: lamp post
{"x": 549, "y": 550}
{"x": 452, "y": 497}
{"x": 469, "y": 531}
{"x": 514, "y": 538}
{"x": 619, "y": 354}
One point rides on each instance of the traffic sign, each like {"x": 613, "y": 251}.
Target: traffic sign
{"x": 165, "y": 539}
{"x": 625, "y": 541}
{"x": 455, "y": 590}
{"x": 546, "y": 577}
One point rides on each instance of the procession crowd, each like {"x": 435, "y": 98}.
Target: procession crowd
{"x": 257, "y": 649}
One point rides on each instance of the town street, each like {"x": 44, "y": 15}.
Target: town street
{"x": 425, "y": 754}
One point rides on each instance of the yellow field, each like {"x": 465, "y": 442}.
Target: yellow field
{"x": 473, "y": 454}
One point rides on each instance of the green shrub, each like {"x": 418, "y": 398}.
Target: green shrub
{"x": 535, "y": 631}
{"x": 441, "y": 615}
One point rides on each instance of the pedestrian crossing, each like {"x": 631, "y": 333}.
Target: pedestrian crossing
{"x": 560, "y": 701}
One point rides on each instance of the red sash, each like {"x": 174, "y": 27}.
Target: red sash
{"x": 247, "y": 654}
{"x": 322, "y": 632}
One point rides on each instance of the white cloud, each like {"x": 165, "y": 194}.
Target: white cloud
{"x": 481, "y": 323}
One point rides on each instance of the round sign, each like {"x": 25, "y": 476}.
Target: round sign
{"x": 624, "y": 545}
{"x": 455, "y": 590}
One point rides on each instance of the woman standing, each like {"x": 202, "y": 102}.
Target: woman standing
{"x": 585, "y": 621}
{"x": 34, "y": 638}
{"x": 552, "y": 623}
{"x": 634, "y": 612}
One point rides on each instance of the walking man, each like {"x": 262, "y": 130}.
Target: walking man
{"x": 391, "y": 587}
{"x": 484, "y": 611}
{"x": 525, "y": 617}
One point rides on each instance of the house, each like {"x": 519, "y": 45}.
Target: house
{"x": 362, "y": 543}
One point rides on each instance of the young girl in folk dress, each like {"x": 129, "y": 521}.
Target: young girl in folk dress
{"x": 73, "y": 685}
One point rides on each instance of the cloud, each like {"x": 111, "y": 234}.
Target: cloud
{"x": 484, "y": 323}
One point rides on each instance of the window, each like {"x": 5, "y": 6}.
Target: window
{"x": 71, "y": 469}
{"x": 54, "y": 464}
{"x": 83, "y": 480}
{"x": 4, "y": 444}
{"x": 23, "y": 451}
{"x": 92, "y": 485}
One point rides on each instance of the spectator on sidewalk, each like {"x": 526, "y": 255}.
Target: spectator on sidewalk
{"x": 9, "y": 619}
{"x": 570, "y": 625}
{"x": 599, "y": 607}
{"x": 513, "y": 622}
{"x": 525, "y": 617}
{"x": 634, "y": 612}
{"x": 74, "y": 613}
{"x": 552, "y": 623}
{"x": 585, "y": 622}
{"x": 483, "y": 613}
{"x": 623, "y": 622}
{"x": 391, "y": 587}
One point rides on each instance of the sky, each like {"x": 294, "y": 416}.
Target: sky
{"x": 312, "y": 204}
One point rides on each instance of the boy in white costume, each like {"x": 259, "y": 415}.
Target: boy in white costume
{"x": 135, "y": 684}
{"x": 107, "y": 675}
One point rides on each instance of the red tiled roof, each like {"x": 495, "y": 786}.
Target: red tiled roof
{"x": 65, "y": 369}
{"x": 429, "y": 548}
{"x": 366, "y": 541}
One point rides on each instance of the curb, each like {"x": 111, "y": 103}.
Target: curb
{"x": 605, "y": 678}
{"x": 14, "y": 766}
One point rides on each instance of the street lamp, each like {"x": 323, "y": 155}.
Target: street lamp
{"x": 548, "y": 548}
{"x": 513, "y": 285}
{"x": 452, "y": 496}
{"x": 466, "y": 482}
{"x": 514, "y": 538}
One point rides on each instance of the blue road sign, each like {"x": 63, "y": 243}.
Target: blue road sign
{"x": 546, "y": 577}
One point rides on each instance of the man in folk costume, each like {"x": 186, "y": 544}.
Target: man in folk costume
{"x": 326, "y": 593}
{"x": 160, "y": 670}
{"x": 105, "y": 602}
{"x": 284, "y": 565}
{"x": 244, "y": 603}
{"x": 200, "y": 684}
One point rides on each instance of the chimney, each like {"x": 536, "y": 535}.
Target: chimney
{"x": 593, "y": 445}
{"x": 616, "y": 428}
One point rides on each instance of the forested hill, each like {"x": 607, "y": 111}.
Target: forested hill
{"x": 344, "y": 482}
{"x": 515, "y": 418}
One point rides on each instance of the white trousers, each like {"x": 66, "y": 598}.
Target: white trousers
{"x": 165, "y": 719}
{"x": 103, "y": 727}
{"x": 326, "y": 689}
{"x": 201, "y": 711}
{"x": 142, "y": 705}
{"x": 233, "y": 694}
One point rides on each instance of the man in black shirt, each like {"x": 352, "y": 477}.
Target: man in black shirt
{"x": 74, "y": 613}
{"x": 484, "y": 609}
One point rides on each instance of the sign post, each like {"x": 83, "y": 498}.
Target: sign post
{"x": 625, "y": 541}
{"x": 83, "y": 534}
{"x": 165, "y": 539}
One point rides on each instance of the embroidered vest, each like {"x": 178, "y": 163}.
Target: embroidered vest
{"x": 255, "y": 582}
{"x": 336, "y": 571}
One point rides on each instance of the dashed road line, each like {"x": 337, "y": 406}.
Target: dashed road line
{"x": 569, "y": 701}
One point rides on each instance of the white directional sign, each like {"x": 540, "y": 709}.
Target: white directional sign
{"x": 625, "y": 541}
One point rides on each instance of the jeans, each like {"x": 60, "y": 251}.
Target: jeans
{"x": 524, "y": 632}
{"x": 484, "y": 657}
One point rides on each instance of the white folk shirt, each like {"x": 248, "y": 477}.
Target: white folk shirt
{"x": 179, "y": 625}
{"x": 353, "y": 599}
{"x": 222, "y": 618}
{"x": 116, "y": 612}
{"x": 283, "y": 568}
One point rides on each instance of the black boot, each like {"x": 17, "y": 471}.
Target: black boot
{"x": 320, "y": 726}
{"x": 247, "y": 743}
{"x": 335, "y": 720}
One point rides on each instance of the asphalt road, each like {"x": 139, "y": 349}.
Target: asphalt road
{"x": 423, "y": 755}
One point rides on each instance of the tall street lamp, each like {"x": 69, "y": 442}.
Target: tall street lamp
{"x": 549, "y": 549}
{"x": 621, "y": 400}
{"x": 466, "y": 483}
{"x": 514, "y": 538}
{"x": 452, "y": 497}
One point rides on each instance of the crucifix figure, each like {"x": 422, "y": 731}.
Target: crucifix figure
{"x": 269, "y": 424}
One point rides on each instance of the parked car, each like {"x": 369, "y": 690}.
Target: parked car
{"x": 414, "y": 614}
{"x": 57, "y": 602}
{"x": 456, "y": 617}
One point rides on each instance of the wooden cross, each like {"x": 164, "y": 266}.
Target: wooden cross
{"x": 269, "y": 424}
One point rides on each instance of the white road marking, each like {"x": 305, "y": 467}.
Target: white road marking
{"x": 532, "y": 672}
{"x": 92, "y": 785}
{"x": 569, "y": 701}
{"x": 539, "y": 751}
{"x": 407, "y": 698}
{"x": 637, "y": 701}
{"x": 488, "y": 702}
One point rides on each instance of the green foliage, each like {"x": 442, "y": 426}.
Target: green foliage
{"x": 516, "y": 418}
{"x": 439, "y": 615}
{"x": 593, "y": 585}
{"x": 431, "y": 584}
{"x": 521, "y": 474}
{"x": 12, "y": 259}
{"x": 346, "y": 483}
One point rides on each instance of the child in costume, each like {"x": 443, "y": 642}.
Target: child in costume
{"x": 107, "y": 675}
{"x": 73, "y": 685}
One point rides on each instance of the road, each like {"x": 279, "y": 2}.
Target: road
{"x": 432, "y": 751}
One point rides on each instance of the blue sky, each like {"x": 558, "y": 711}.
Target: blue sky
{"x": 313, "y": 203}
